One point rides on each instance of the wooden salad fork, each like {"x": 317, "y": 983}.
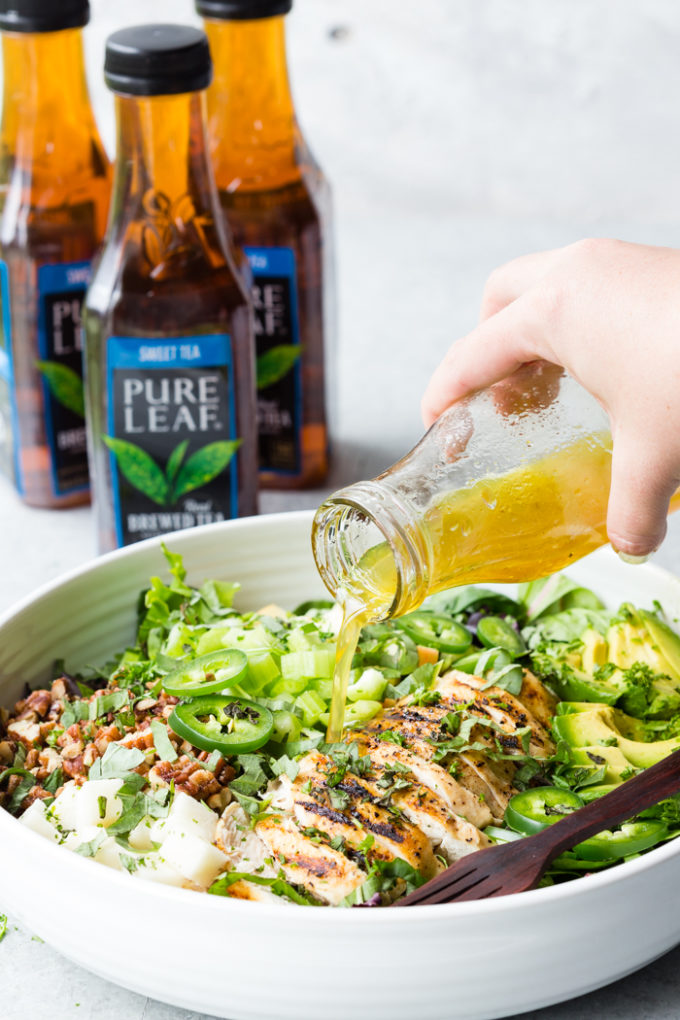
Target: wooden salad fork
{"x": 517, "y": 866}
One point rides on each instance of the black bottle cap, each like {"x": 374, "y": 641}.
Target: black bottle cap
{"x": 43, "y": 15}
{"x": 242, "y": 10}
{"x": 157, "y": 60}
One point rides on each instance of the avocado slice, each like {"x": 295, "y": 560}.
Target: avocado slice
{"x": 594, "y": 651}
{"x": 601, "y": 732}
{"x": 664, "y": 642}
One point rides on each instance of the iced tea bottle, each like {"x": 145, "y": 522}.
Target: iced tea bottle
{"x": 277, "y": 205}
{"x": 54, "y": 193}
{"x": 168, "y": 327}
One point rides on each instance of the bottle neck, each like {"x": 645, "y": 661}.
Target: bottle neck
{"x": 47, "y": 119}
{"x": 251, "y": 117}
{"x": 163, "y": 179}
{"x": 370, "y": 549}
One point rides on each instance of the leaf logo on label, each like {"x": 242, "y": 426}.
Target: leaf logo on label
{"x": 275, "y": 363}
{"x": 64, "y": 384}
{"x": 142, "y": 471}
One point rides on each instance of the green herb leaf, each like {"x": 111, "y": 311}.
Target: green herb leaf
{"x": 102, "y": 704}
{"x": 162, "y": 742}
{"x": 90, "y": 848}
{"x": 3, "y": 926}
{"x": 277, "y": 885}
{"x": 204, "y": 465}
{"x": 253, "y": 777}
{"x": 116, "y": 762}
{"x": 65, "y": 385}
{"x": 74, "y": 711}
{"x": 54, "y": 781}
{"x": 276, "y": 363}
{"x": 139, "y": 468}
{"x": 17, "y": 798}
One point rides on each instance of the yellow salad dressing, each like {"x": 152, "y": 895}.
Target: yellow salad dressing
{"x": 532, "y": 521}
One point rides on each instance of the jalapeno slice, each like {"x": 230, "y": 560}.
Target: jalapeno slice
{"x": 221, "y": 723}
{"x": 436, "y": 631}
{"x": 532, "y": 810}
{"x": 207, "y": 674}
{"x": 494, "y": 632}
{"x": 629, "y": 838}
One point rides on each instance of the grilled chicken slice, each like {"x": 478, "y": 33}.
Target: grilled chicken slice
{"x": 419, "y": 725}
{"x": 245, "y": 890}
{"x": 391, "y": 832}
{"x": 451, "y": 793}
{"x": 474, "y": 773}
{"x": 322, "y": 871}
{"x": 536, "y": 697}
{"x": 499, "y": 706}
{"x": 288, "y": 796}
{"x": 490, "y": 781}
{"x": 450, "y": 834}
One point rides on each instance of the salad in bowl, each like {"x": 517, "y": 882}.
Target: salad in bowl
{"x": 197, "y": 757}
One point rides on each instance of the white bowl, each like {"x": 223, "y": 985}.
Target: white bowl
{"x": 249, "y": 961}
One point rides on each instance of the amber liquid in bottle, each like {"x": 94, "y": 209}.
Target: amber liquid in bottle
{"x": 54, "y": 189}
{"x": 166, "y": 277}
{"x": 276, "y": 202}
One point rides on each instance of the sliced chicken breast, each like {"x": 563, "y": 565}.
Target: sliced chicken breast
{"x": 322, "y": 871}
{"x": 455, "y": 797}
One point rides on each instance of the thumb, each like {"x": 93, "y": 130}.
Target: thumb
{"x": 643, "y": 481}
{"x": 492, "y": 351}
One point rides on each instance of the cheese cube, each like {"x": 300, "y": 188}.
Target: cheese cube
{"x": 34, "y": 818}
{"x": 189, "y": 816}
{"x": 195, "y": 859}
{"x": 156, "y": 870}
{"x": 97, "y": 803}
{"x": 64, "y": 806}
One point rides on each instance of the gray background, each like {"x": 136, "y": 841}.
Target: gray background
{"x": 456, "y": 135}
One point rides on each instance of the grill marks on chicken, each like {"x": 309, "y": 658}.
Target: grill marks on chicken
{"x": 412, "y": 806}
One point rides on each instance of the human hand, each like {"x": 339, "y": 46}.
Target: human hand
{"x": 609, "y": 313}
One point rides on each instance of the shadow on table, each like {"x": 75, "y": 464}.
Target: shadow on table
{"x": 648, "y": 994}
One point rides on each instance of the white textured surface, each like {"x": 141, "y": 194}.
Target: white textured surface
{"x": 456, "y": 136}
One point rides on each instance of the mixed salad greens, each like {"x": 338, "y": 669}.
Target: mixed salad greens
{"x": 616, "y": 675}
{"x": 255, "y": 688}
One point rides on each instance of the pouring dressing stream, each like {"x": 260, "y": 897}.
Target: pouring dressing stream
{"x": 508, "y": 485}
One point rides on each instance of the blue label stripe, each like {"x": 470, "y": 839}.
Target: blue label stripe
{"x": 209, "y": 351}
{"x": 281, "y": 262}
{"x": 7, "y": 371}
{"x": 57, "y": 278}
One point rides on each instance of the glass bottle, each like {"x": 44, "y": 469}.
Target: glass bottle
{"x": 169, "y": 341}
{"x": 54, "y": 194}
{"x": 509, "y": 484}
{"x": 277, "y": 205}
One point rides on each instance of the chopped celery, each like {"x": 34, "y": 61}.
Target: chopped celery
{"x": 312, "y": 664}
{"x": 312, "y": 705}
{"x": 304, "y": 640}
{"x": 235, "y": 637}
{"x": 262, "y": 670}
{"x": 287, "y": 726}
{"x": 356, "y": 712}
{"x": 322, "y": 687}
{"x": 369, "y": 686}
{"x": 287, "y": 685}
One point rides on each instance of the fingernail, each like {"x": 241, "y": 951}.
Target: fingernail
{"x": 629, "y": 558}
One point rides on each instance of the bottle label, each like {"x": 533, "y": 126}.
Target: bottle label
{"x": 171, "y": 433}
{"x": 277, "y": 345}
{"x": 9, "y": 426}
{"x": 61, "y": 292}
